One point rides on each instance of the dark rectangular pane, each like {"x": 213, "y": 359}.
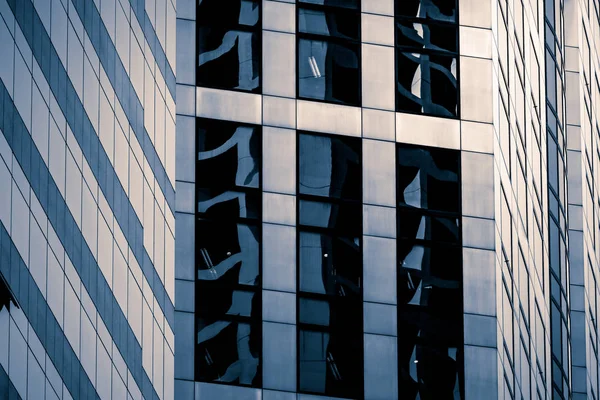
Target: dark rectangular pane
{"x": 413, "y": 224}
{"x": 427, "y": 83}
{"x": 428, "y": 178}
{"x": 343, "y": 217}
{"x": 330, "y": 265}
{"x": 330, "y": 167}
{"x": 228, "y": 155}
{"x": 228, "y": 58}
{"x": 228, "y": 352}
{"x": 329, "y": 71}
{"x": 230, "y": 13}
{"x": 331, "y": 363}
{"x": 229, "y": 205}
{"x": 352, "y": 4}
{"x": 418, "y": 36}
{"x": 340, "y": 23}
{"x": 225, "y": 249}
{"x": 438, "y": 10}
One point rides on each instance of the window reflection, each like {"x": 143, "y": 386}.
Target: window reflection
{"x": 228, "y": 253}
{"x": 429, "y": 253}
{"x": 229, "y": 48}
{"x": 330, "y": 266}
{"x": 329, "y": 51}
{"x": 427, "y": 57}
{"x": 6, "y": 296}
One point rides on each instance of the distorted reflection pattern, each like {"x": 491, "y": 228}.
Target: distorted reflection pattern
{"x": 228, "y": 253}
{"x": 427, "y": 57}
{"x": 6, "y": 296}
{"x": 229, "y": 48}
{"x": 330, "y": 266}
{"x": 430, "y": 331}
{"x": 329, "y": 52}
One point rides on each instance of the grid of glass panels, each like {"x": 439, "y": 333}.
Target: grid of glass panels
{"x": 427, "y": 57}
{"x": 330, "y": 325}
{"x": 430, "y": 311}
{"x": 328, "y": 51}
{"x": 228, "y": 240}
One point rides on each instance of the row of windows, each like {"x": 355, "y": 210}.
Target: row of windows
{"x": 329, "y": 52}
{"x": 329, "y": 258}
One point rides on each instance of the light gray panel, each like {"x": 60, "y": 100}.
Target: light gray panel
{"x": 481, "y": 376}
{"x": 377, "y": 29}
{"x": 184, "y": 345}
{"x": 476, "y": 13}
{"x": 279, "y": 258}
{"x": 329, "y": 118}
{"x": 480, "y": 330}
{"x": 184, "y": 295}
{"x": 379, "y": 270}
{"x": 279, "y": 160}
{"x": 381, "y": 367}
{"x": 479, "y": 233}
{"x": 279, "y": 356}
{"x": 477, "y": 184}
{"x": 380, "y": 319}
{"x": 379, "y": 172}
{"x": 379, "y": 221}
{"x": 185, "y": 160}
{"x": 186, "y": 197}
{"x": 211, "y": 391}
{"x": 186, "y": 100}
{"x": 279, "y": 111}
{"x": 274, "y": 395}
{"x": 229, "y": 105}
{"x": 184, "y": 246}
{"x": 476, "y": 136}
{"x": 279, "y": 208}
{"x": 279, "y": 307}
{"x": 186, "y": 49}
{"x": 385, "y": 7}
{"x": 278, "y": 16}
{"x": 479, "y": 282}
{"x": 279, "y": 64}
{"x": 476, "y": 42}
{"x": 476, "y": 94}
{"x": 378, "y": 76}
{"x": 378, "y": 124}
{"x": 428, "y": 131}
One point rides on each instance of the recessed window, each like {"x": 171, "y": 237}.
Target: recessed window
{"x": 329, "y": 297}
{"x": 329, "y": 51}
{"x": 429, "y": 253}
{"x": 228, "y": 241}
{"x": 427, "y": 57}
{"x": 229, "y": 44}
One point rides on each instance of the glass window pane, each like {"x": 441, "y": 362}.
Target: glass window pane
{"x": 330, "y": 167}
{"x": 329, "y": 71}
{"x": 426, "y": 36}
{"x": 333, "y": 3}
{"x": 340, "y": 23}
{"x": 228, "y": 13}
{"x": 343, "y": 218}
{"x": 330, "y": 265}
{"x": 414, "y": 225}
{"x": 439, "y": 10}
{"x": 228, "y": 352}
{"x": 427, "y": 84}
{"x": 428, "y": 178}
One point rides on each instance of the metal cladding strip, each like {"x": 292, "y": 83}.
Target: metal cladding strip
{"x": 139, "y": 9}
{"x": 43, "y": 322}
{"x": 37, "y": 173}
{"x": 93, "y": 151}
{"x": 119, "y": 79}
{"x": 7, "y": 389}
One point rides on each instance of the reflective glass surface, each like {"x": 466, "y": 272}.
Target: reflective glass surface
{"x": 340, "y": 23}
{"x": 429, "y": 254}
{"x": 229, "y": 44}
{"x": 414, "y": 35}
{"x": 228, "y": 243}
{"x": 438, "y": 10}
{"x": 352, "y": 4}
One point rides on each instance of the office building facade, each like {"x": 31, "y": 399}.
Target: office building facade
{"x": 87, "y": 199}
{"x": 386, "y": 199}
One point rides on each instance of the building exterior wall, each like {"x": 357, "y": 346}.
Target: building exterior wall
{"x": 87, "y": 199}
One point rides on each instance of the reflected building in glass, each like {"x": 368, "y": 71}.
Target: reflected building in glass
{"x": 384, "y": 199}
{"x": 87, "y": 199}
